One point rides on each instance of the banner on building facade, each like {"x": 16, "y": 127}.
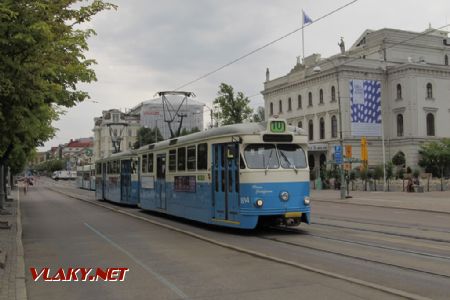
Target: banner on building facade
{"x": 365, "y": 103}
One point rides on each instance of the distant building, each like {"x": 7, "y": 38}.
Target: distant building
{"x": 152, "y": 114}
{"x": 77, "y": 152}
{"x": 113, "y": 122}
{"x": 414, "y": 73}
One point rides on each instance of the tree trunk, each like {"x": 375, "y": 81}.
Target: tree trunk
{"x": 442, "y": 178}
{"x": 3, "y": 162}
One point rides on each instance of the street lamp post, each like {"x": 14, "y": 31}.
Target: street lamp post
{"x": 341, "y": 140}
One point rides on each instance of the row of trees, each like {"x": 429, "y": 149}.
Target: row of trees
{"x": 42, "y": 59}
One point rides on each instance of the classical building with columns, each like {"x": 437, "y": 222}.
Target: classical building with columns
{"x": 414, "y": 72}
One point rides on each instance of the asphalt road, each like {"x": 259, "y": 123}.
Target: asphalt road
{"x": 61, "y": 232}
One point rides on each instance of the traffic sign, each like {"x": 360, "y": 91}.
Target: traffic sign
{"x": 338, "y": 154}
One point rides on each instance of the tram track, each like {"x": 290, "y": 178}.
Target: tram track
{"x": 385, "y": 206}
{"x": 416, "y": 237}
{"x": 375, "y": 286}
{"x": 418, "y": 253}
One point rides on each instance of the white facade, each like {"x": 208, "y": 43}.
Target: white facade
{"x": 103, "y": 146}
{"x": 415, "y": 78}
{"x": 152, "y": 114}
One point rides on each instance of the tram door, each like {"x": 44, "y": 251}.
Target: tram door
{"x": 103, "y": 179}
{"x": 125, "y": 180}
{"x": 225, "y": 180}
{"x": 161, "y": 181}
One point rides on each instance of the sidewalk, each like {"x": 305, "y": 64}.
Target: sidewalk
{"x": 12, "y": 265}
{"x": 428, "y": 201}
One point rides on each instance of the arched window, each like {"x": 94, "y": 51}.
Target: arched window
{"x": 322, "y": 128}
{"x": 333, "y": 94}
{"x": 299, "y": 101}
{"x": 321, "y": 96}
{"x": 333, "y": 127}
{"x": 289, "y": 104}
{"x": 399, "y": 91}
{"x": 430, "y": 124}
{"x": 271, "y": 109}
{"x": 446, "y": 60}
{"x": 300, "y": 124}
{"x": 280, "y": 106}
{"x": 429, "y": 91}
{"x": 310, "y": 130}
{"x": 399, "y": 125}
{"x": 310, "y": 99}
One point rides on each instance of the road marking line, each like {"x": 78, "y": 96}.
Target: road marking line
{"x": 163, "y": 280}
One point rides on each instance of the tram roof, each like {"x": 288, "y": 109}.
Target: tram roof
{"x": 223, "y": 131}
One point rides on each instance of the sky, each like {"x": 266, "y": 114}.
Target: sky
{"x": 146, "y": 46}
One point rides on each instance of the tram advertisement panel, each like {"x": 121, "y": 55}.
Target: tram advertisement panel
{"x": 185, "y": 184}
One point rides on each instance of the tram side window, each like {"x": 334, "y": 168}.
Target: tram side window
{"x": 191, "y": 158}
{"x": 144, "y": 163}
{"x": 172, "y": 160}
{"x": 150, "y": 163}
{"x": 202, "y": 156}
{"x": 98, "y": 168}
{"x": 182, "y": 159}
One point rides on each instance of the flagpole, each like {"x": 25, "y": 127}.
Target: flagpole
{"x": 303, "y": 35}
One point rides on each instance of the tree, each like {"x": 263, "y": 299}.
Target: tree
{"x": 435, "y": 156}
{"x": 389, "y": 173}
{"x": 259, "y": 116}
{"x": 377, "y": 174}
{"x": 146, "y": 136}
{"x": 42, "y": 59}
{"x": 231, "y": 109}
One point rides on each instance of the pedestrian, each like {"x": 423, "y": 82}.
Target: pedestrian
{"x": 409, "y": 186}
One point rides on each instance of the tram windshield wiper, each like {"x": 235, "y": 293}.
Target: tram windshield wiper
{"x": 268, "y": 162}
{"x": 286, "y": 159}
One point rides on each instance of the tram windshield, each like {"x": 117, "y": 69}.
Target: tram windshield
{"x": 270, "y": 156}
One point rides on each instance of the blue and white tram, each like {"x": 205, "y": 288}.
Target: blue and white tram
{"x": 237, "y": 176}
{"x": 86, "y": 177}
{"x": 117, "y": 178}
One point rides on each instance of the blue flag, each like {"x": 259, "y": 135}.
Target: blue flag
{"x": 306, "y": 19}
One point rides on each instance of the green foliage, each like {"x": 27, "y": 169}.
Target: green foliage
{"x": 42, "y": 59}
{"x": 146, "y": 136}
{"x": 378, "y": 172}
{"x": 231, "y": 108}
{"x": 186, "y": 131}
{"x": 435, "y": 157}
{"x": 259, "y": 116}
{"x": 399, "y": 159}
{"x": 389, "y": 170}
{"x": 401, "y": 173}
{"x": 416, "y": 173}
{"x": 49, "y": 166}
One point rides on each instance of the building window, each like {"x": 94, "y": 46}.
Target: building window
{"x": 289, "y": 104}
{"x": 429, "y": 91}
{"x": 430, "y": 124}
{"x": 333, "y": 127}
{"x": 399, "y": 125}
{"x": 446, "y": 60}
{"x": 300, "y": 124}
{"x": 333, "y": 94}
{"x": 310, "y": 99}
{"x": 310, "y": 130}
{"x": 280, "y": 105}
{"x": 271, "y": 109}
{"x": 299, "y": 102}
{"x": 322, "y": 128}
{"x": 321, "y": 96}
{"x": 115, "y": 118}
{"x": 399, "y": 91}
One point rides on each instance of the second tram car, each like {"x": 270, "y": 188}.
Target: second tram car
{"x": 238, "y": 176}
{"x": 86, "y": 177}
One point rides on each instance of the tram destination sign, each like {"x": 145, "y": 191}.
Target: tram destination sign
{"x": 277, "y": 126}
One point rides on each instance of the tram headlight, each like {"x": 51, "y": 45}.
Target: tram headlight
{"x": 284, "y": 196}
{"x": 307, "y": 200}
{"x": 259, "y": 203}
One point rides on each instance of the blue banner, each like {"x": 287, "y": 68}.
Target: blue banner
{"x": 365, "y": 102}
